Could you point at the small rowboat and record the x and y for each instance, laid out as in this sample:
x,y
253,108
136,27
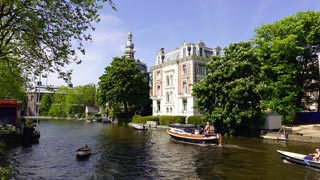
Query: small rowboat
x,y
140,127
194,138
83,153
301,159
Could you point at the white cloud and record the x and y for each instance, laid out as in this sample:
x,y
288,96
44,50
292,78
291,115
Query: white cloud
x,y
107,42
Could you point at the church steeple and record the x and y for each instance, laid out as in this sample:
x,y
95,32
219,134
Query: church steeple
x,y
129,52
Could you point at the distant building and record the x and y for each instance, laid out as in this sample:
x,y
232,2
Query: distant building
x,y
174,73
311,98
129,53
92,110
34,98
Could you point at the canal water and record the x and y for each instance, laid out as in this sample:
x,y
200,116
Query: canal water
x,y
120,152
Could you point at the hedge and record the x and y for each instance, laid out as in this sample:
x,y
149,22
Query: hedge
x,y
166,120
196,120
143,119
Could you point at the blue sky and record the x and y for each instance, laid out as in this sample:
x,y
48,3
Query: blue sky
x,y
168,23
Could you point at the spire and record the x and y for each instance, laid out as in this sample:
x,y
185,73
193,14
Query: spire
x,y
129,52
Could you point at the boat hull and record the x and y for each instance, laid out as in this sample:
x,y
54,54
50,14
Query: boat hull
x,y
140,127
181,136
298,159
83,154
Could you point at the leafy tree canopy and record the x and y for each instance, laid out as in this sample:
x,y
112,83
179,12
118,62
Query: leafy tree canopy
x,y
11,83
230,93
70,101
122,85
45,104
38,36
287,50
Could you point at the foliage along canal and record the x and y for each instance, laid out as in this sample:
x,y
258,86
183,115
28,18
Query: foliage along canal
x,y
121,152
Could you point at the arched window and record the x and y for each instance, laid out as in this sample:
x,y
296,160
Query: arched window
x,y
168,97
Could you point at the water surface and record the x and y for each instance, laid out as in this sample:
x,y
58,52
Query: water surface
x,y
121,152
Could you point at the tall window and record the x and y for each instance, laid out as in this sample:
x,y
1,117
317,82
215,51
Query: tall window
x,y
158,90
158,75
168,81
184,87
158,105
171,80
184,105
168,97
184,69
201,69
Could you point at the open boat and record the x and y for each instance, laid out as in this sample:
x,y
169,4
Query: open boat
x,y
187,135
301,159
139,126
81,153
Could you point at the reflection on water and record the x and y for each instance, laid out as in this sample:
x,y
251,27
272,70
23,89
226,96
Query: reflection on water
x,y
120,152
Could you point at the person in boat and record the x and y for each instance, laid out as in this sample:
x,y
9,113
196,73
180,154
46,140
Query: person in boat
x,y
84,148
207,129
315,155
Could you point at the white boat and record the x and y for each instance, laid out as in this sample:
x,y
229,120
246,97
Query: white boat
x,y
297,158
139,126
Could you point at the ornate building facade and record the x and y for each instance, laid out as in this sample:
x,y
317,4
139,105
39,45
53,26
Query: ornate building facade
x,y
173,75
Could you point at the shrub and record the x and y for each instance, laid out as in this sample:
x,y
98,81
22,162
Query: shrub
x,y
135,118
166,120
5,173
195,120
143,119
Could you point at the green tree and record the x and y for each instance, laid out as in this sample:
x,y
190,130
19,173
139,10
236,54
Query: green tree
x,y
287,55
70,101
123,86
45,104
11,82
39,36
59,106
230,93
79,97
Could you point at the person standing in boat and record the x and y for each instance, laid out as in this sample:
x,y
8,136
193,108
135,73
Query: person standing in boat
x,y
207,129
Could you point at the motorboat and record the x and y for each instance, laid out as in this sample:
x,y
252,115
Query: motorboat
x,y
187,134
297,158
